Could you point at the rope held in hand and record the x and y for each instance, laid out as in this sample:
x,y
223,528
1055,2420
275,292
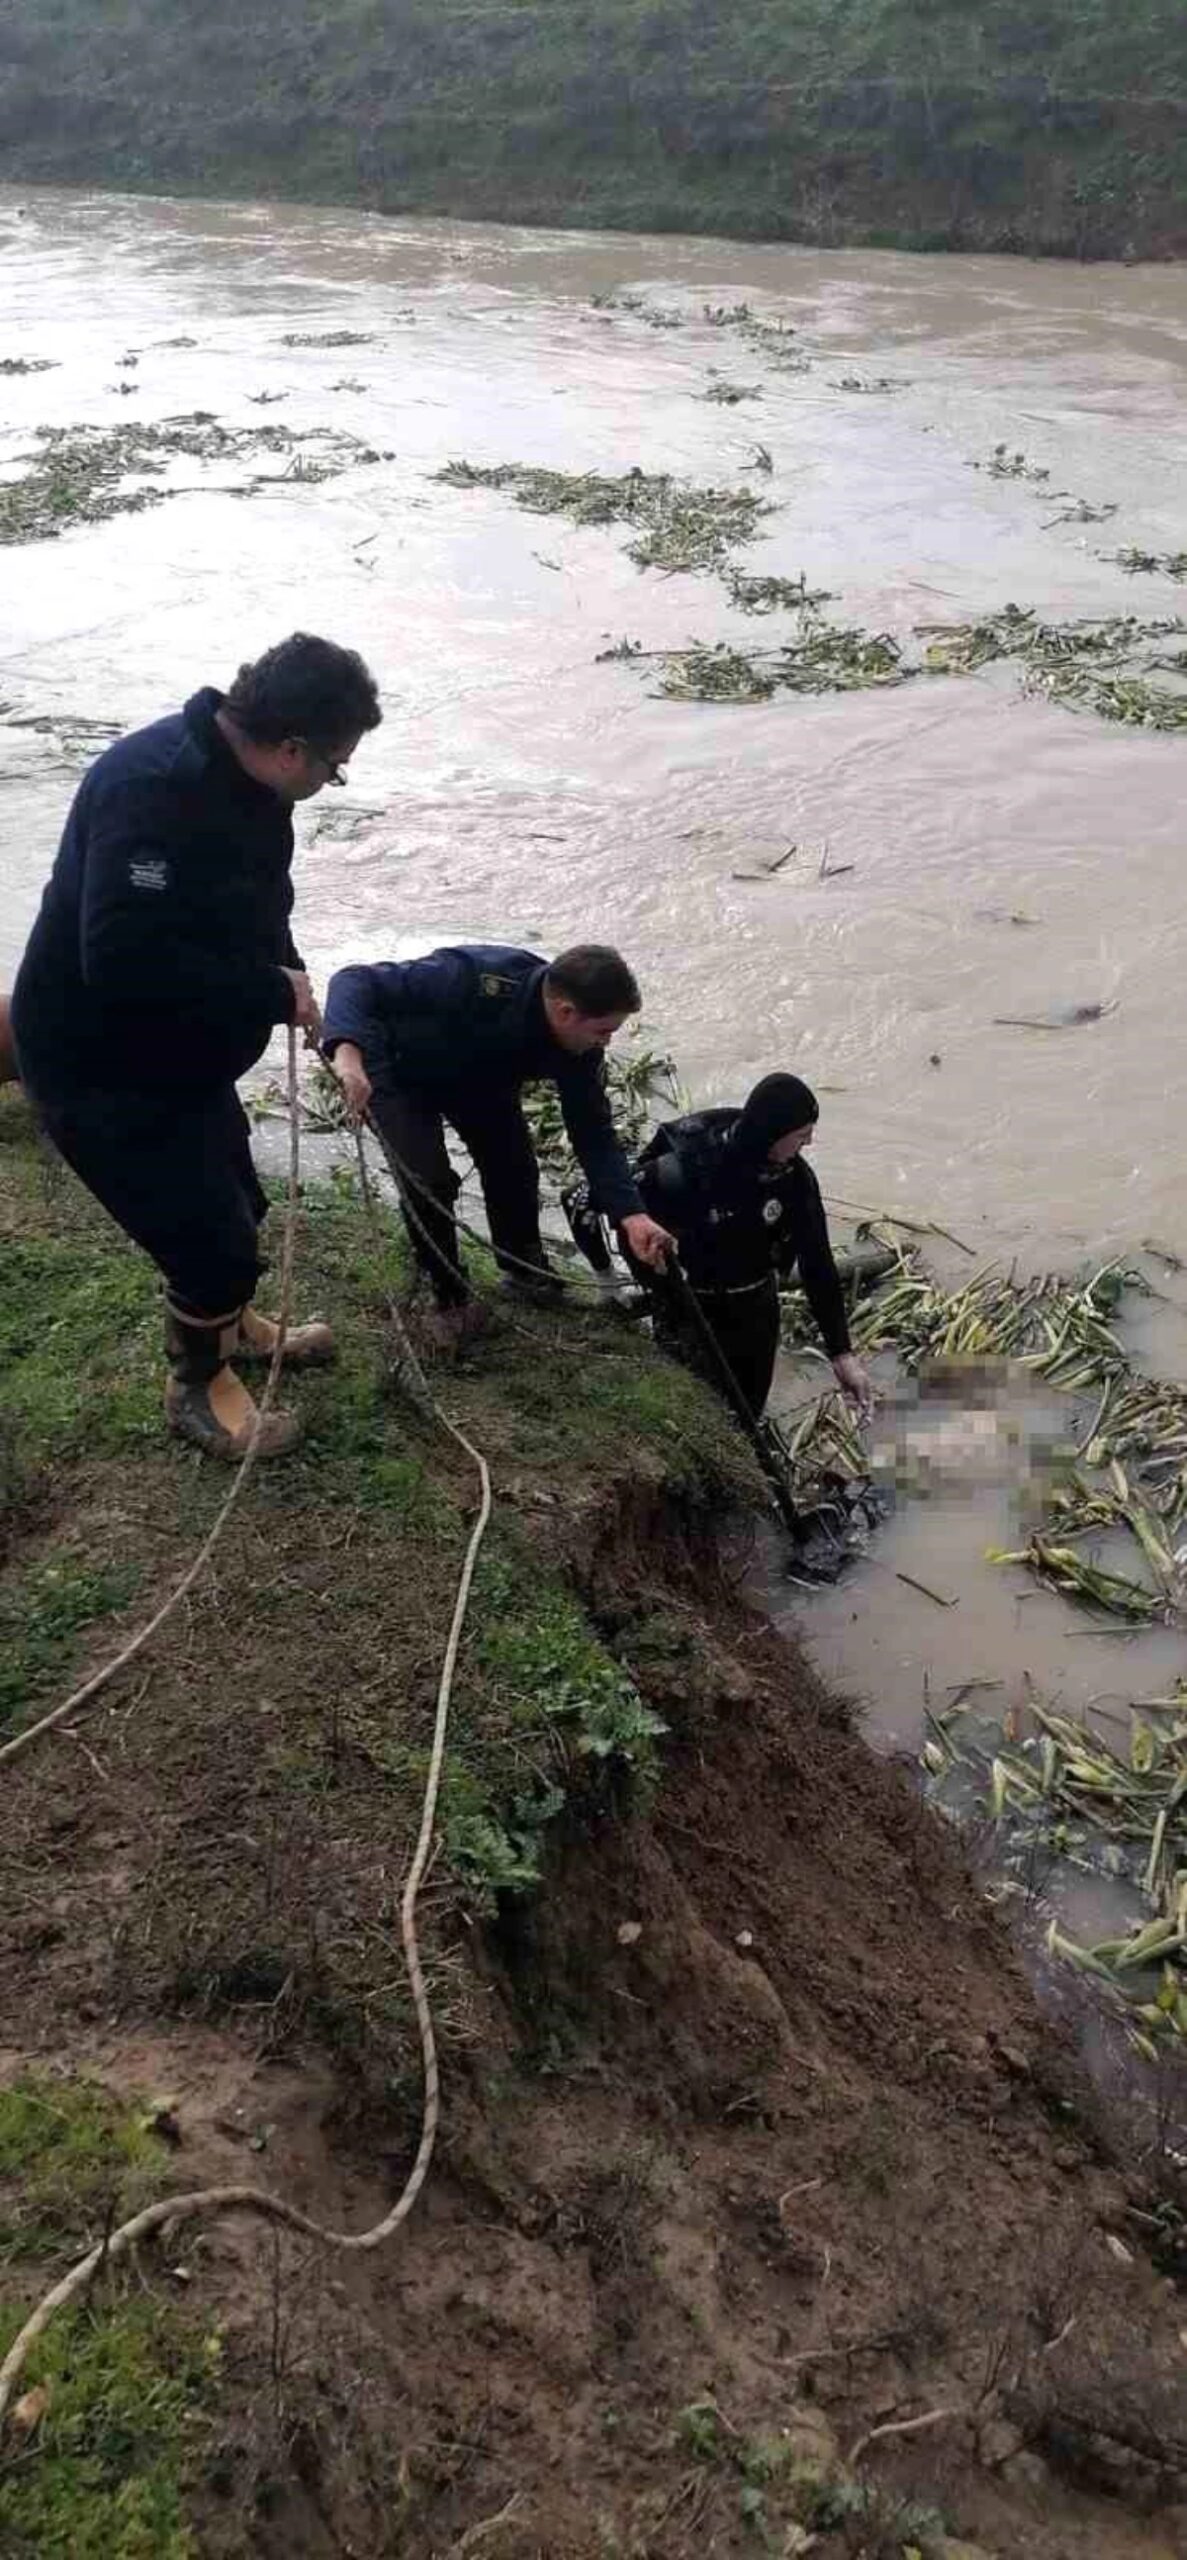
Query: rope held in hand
x,y
207,2201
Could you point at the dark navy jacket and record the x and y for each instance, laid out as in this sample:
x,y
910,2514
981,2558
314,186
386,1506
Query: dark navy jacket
x,y
472,1017
735,1223
156,961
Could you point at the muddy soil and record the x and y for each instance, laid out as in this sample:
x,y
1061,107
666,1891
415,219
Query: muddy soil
x,y
753,2103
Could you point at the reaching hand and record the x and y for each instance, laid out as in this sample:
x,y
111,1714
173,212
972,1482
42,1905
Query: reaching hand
x,y
850,1375
354,1080
650,1243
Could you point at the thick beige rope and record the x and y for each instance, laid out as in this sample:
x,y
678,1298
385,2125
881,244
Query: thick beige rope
x,y
208,2201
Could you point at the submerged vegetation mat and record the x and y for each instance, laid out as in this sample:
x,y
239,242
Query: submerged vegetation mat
x,y
774,595
774,339
729,395
823,658
1126,1472
679,526
1103,667
1061,1793
654,315
1162,564
85,475
329,338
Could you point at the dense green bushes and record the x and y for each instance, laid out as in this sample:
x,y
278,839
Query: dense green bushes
x,y
927,122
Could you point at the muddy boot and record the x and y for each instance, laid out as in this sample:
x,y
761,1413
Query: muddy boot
x,y
452,1328
204,1400
305,1345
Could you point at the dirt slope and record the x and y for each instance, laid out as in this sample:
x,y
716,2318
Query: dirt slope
x,y
754,2142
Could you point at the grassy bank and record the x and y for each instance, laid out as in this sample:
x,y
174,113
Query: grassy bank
x,y
336,1592
752,2142
1061,131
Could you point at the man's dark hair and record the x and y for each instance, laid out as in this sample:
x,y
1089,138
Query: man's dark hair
x,y
594,978
304,688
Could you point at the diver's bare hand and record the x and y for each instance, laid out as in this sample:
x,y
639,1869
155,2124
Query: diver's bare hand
x,y
850,1375
648,1241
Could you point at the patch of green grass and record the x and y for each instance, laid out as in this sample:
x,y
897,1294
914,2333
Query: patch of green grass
x,y
357,1444
364,1442
546,1718
43,1610
104,2475
79,1345
674,1413
547,1669
70,2155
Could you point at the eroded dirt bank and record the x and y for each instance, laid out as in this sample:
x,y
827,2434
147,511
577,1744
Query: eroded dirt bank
x,y
754,2141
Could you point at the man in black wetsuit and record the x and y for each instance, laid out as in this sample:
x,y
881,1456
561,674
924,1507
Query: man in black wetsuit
x,y
744,1206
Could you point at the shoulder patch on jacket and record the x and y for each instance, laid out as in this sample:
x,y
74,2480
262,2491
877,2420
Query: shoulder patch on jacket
x,y
149,874
491,984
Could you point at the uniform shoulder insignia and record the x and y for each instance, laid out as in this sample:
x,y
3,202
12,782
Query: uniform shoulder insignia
x,y
148,873
492,985
772,1212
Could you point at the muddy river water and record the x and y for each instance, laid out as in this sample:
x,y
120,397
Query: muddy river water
x,y
987,854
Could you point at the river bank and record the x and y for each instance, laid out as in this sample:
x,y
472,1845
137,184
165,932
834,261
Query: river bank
x,y
1065,136
754,2143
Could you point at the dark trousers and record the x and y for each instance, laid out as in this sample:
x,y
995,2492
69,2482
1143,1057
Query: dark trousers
x,y
745,1328
177,1176
492,1128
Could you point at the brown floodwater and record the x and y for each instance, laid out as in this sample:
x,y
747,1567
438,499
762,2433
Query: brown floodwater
x,y
986,854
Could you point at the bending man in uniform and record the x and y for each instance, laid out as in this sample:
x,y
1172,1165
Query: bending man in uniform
x,y
159,965
744,1206
451,1040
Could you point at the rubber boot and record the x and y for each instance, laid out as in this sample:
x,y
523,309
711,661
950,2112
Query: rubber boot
x,y
305,1345
452,1328
204,1400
